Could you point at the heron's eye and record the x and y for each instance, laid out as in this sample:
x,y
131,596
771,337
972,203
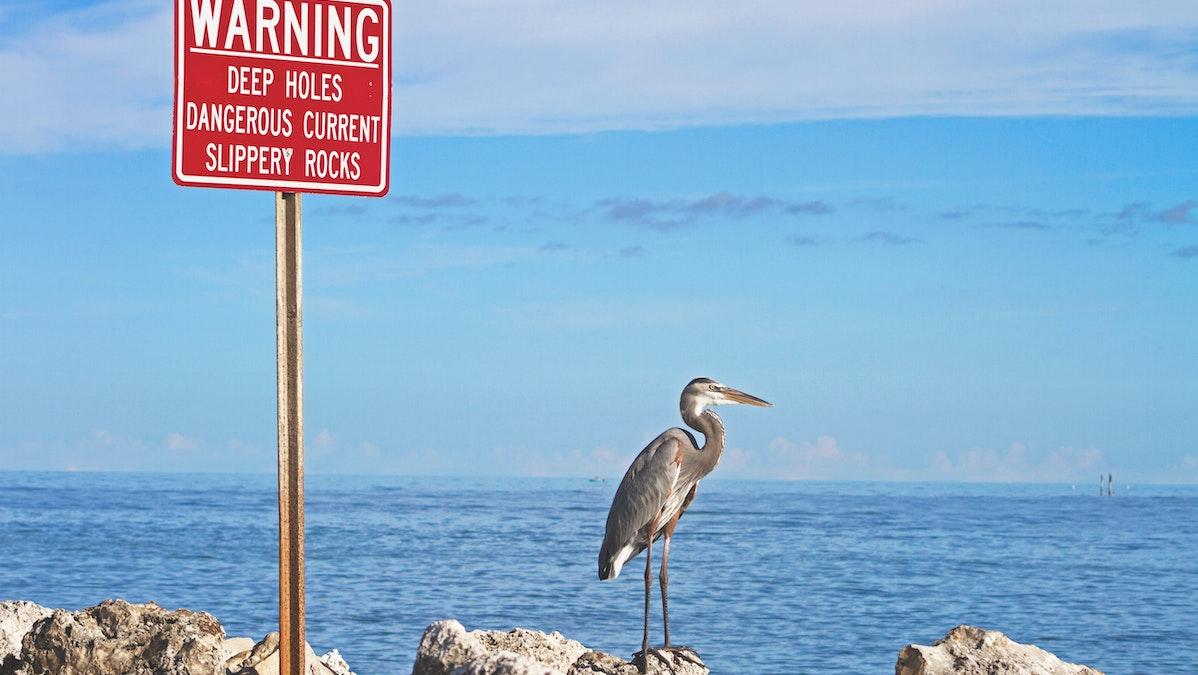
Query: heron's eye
x,y
711,387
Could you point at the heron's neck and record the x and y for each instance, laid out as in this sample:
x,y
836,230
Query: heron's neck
x,y
711,426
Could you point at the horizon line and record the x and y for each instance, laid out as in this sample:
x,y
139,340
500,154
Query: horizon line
x,y
324,474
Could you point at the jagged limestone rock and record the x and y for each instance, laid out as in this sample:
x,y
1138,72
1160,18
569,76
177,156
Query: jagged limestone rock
x,y
119,638
969,650
553,649
505,663
447,648
16,620
334,662
446,645
263,659
599,663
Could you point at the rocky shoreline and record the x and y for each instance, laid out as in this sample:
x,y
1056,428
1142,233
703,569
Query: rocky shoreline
x,y
119,638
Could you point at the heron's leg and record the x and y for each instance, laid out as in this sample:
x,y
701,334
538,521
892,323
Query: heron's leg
x,y
683,652
664,579
648,589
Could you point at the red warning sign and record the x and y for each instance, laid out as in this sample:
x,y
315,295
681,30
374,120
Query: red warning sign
x,y
286,95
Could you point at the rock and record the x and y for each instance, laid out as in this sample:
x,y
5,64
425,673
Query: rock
x,y
676,666
336,663
969,650
593,663
263,659
554,649
505,663
233,650
16,619
447,648
118,638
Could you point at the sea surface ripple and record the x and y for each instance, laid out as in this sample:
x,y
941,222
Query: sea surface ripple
x,y
765,577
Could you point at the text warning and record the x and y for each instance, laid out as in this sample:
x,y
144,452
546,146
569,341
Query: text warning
x,y
286,95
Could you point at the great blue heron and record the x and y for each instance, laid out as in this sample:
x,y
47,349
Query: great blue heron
x,y
658,487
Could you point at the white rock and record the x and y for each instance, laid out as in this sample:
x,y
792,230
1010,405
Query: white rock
x,y
334,662
16,619
449,649
969,650
445,646
236,648
505,663
553,649
263,659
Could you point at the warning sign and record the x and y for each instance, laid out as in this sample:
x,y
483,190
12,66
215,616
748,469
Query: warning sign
x,y
286,95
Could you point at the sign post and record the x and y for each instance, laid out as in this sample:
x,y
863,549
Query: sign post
x,y
289,342
290,96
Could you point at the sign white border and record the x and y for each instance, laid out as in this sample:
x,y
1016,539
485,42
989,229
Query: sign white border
x,y
285,185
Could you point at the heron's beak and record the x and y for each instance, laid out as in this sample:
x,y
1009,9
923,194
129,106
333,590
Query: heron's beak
x,y
741,397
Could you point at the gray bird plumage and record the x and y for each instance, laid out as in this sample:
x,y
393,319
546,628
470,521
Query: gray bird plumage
x,y
650,482
661,484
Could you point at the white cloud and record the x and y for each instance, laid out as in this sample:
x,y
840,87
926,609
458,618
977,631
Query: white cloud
x,y
102,76
1018,464
323,444
822,459
97,77
178,442
602,462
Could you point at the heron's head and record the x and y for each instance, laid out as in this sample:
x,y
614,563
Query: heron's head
x,y
704,392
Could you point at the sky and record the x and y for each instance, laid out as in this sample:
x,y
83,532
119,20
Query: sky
x,y
948,240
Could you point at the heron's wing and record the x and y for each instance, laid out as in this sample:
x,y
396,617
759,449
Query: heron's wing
x,y
649,482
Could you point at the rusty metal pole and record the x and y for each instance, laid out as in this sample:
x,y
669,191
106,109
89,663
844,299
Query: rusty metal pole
x,y
290,364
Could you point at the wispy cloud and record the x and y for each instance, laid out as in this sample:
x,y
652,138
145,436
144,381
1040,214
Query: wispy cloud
x,y
1029,225
1018,464
177,442
652,66
354,210
450,200
955,214
86,78
678,212
1179,214
816,207
887,238
825,459
821,459
602,461
447,221
531,66
552,247
1182,213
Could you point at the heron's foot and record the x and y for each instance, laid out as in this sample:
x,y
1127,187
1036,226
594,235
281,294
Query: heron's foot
x,y
685,653
641,660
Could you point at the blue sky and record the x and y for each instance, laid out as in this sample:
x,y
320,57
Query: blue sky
x,y
947,262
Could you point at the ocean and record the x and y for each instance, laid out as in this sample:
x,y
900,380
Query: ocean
x,y
765,577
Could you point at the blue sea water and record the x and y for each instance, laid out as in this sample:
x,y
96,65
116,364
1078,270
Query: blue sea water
x,y
766,577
